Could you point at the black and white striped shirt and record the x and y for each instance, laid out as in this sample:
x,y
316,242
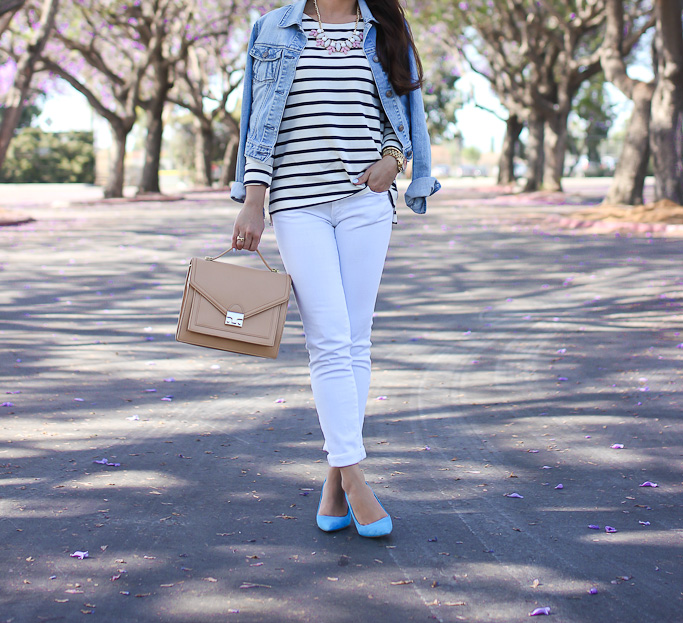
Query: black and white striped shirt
x,y
333,128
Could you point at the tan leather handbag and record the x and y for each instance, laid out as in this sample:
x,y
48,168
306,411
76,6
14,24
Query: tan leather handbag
x,y
234,308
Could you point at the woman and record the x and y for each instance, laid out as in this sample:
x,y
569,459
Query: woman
x,y
331,111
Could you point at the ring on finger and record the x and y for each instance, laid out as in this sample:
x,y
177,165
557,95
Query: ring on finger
x,y
240,239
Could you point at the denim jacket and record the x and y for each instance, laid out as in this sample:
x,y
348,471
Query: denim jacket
x,y
275,46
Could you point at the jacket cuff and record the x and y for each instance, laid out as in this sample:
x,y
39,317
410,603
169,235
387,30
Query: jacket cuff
x,y
418,191
238,192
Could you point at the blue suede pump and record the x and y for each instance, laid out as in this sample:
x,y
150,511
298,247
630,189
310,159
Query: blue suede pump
x,y
381,527
329,523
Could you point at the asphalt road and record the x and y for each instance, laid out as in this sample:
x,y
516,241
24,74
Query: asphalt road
x,y
508,359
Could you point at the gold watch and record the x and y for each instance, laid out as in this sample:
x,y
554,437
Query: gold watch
x,y
397,154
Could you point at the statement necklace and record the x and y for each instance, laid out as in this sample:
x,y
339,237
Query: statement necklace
x,y
343,45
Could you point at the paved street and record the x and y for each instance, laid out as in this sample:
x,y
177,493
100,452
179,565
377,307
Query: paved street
x,y
508,359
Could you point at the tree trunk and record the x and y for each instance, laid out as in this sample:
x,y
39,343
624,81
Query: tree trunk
x,y
230,157
534,174
555,147
114,187
629,177
666,126
16,96
506,163
202,152
155,130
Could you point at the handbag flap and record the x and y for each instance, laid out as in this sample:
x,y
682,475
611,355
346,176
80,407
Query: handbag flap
x,y
218,288
229,287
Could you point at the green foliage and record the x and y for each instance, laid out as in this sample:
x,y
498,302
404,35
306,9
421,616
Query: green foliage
x,y
593,106
35,156
471,155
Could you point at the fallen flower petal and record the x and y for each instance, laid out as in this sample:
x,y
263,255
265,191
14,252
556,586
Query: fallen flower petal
x,y
252,585
513,495
134,418
560,486
170,379
593,591
167,398
610,529
539,612
7,404
80,555
594,526
280,400
647,483
381,398
617,446
644,523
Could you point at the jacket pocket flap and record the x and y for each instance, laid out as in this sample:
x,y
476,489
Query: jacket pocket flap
x,y
265,53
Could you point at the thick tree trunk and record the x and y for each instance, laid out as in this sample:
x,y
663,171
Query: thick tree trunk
x,y
202,152
155,130
506,163
666,126
117,168
534,148
555,147
629,177
16,96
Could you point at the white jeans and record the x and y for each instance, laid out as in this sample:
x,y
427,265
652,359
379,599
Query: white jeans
x,y
335,254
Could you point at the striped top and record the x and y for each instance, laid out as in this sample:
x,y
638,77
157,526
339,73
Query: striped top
x,y
333,128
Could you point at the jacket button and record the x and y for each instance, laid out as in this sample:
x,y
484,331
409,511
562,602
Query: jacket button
x,y
375,58
400,128
389,94
409,154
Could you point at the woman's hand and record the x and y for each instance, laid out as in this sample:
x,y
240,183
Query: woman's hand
x,y
250,222
379,176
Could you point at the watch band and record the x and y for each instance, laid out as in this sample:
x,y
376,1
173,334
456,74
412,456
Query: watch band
x,y
397,154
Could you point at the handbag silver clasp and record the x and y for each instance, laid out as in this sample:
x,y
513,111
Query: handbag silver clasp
x,y
234,319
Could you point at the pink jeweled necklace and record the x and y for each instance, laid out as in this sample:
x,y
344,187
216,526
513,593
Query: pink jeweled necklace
x,y
336,47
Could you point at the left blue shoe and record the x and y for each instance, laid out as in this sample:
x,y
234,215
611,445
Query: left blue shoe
x,y
381,527
329,523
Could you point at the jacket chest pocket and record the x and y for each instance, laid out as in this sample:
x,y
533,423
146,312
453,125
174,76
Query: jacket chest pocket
x,y
266,62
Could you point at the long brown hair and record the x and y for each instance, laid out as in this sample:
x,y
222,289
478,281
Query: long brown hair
x,y
394,40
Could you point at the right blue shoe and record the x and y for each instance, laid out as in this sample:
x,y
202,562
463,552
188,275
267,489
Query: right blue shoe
x,y
329,523
381,527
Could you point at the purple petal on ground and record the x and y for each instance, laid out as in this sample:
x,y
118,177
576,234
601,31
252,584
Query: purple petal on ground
x,y
381,398
680,345
167,398
133,418
593,591
79,399
432,540
560,486
610,529
170,379
280,400
7,404
644,523
151,389
426,448
594,526
16,391
513,495
647,483
533,451
80,555
562,378
546,467
539,612
617,446
587,437
561,351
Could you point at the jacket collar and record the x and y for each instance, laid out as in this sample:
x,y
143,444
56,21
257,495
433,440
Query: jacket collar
x,y
295,12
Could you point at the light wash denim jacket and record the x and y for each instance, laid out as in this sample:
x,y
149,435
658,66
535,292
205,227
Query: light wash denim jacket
x,y
275,46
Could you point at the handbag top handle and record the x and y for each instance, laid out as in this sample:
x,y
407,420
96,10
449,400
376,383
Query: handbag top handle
x,y
211,259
